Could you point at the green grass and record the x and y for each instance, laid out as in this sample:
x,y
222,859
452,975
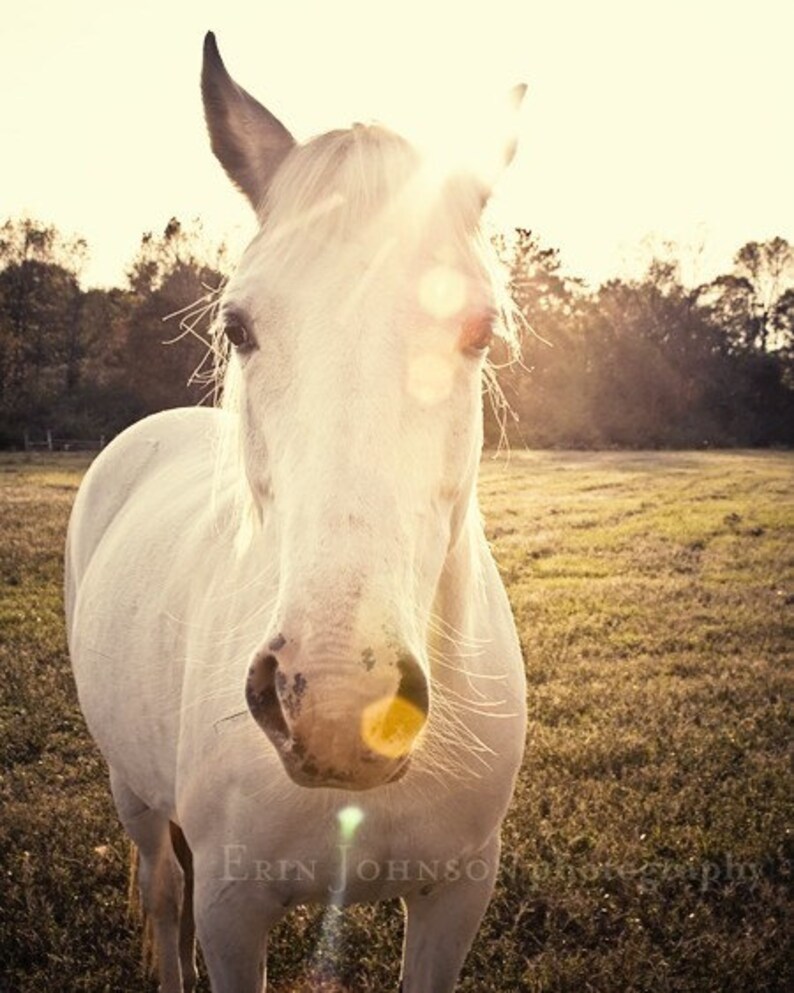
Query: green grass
x,y
649,846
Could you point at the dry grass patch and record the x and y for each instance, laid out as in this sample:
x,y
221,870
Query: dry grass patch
x,y
649,846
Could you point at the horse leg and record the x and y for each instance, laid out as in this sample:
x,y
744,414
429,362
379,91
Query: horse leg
x,y
441,925
233,919
160,878
187,923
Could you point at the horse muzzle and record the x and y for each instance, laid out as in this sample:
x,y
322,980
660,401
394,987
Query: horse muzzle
x,y
346,727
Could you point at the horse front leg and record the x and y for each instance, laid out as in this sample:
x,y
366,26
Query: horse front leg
x,y
187,923
233,920
441,924
160,880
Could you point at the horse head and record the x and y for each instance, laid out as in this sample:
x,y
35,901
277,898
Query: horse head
x,y
358,321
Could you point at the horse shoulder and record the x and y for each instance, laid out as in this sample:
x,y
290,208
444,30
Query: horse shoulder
x,y
123,538
119,473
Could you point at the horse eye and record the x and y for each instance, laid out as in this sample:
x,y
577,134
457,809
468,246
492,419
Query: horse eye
x,y
478,333
237,333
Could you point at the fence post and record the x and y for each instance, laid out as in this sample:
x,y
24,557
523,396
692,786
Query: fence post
x,y
49,439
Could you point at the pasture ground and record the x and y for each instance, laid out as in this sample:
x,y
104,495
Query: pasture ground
x,y
649,845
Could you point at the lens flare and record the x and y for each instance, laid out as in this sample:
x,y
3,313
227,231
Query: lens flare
x,y
442,292
349,819
430,378
389,726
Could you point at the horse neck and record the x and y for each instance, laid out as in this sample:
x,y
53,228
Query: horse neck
x,y
461,586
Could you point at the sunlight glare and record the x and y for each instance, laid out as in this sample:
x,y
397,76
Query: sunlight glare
x,y
476,139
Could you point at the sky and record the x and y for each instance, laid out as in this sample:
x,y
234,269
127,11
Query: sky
x,y
645,121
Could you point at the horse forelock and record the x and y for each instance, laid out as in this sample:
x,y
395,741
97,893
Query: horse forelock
x,y
334,188
365,188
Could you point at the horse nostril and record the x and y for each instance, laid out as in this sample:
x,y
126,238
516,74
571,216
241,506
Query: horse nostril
x,y
262,696
413,684
391,724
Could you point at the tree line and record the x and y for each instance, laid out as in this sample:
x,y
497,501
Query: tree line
x,y
642,362
651,362
85,363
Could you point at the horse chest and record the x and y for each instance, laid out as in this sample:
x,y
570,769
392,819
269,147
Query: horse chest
x,y
330,847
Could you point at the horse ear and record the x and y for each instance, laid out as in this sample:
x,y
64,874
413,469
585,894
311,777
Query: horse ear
x,y
247,139
515,99
472,183
500,140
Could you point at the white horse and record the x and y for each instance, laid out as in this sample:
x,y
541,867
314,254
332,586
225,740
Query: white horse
x,y
300,664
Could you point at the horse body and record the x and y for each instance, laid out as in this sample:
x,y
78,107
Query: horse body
x,y
336,580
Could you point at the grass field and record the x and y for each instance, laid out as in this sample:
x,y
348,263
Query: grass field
x,y
649,845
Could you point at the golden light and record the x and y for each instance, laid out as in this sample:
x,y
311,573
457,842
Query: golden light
x,y
442,292
389,726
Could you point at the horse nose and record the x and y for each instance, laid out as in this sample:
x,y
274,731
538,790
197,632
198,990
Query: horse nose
x,y
350,731
267,688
